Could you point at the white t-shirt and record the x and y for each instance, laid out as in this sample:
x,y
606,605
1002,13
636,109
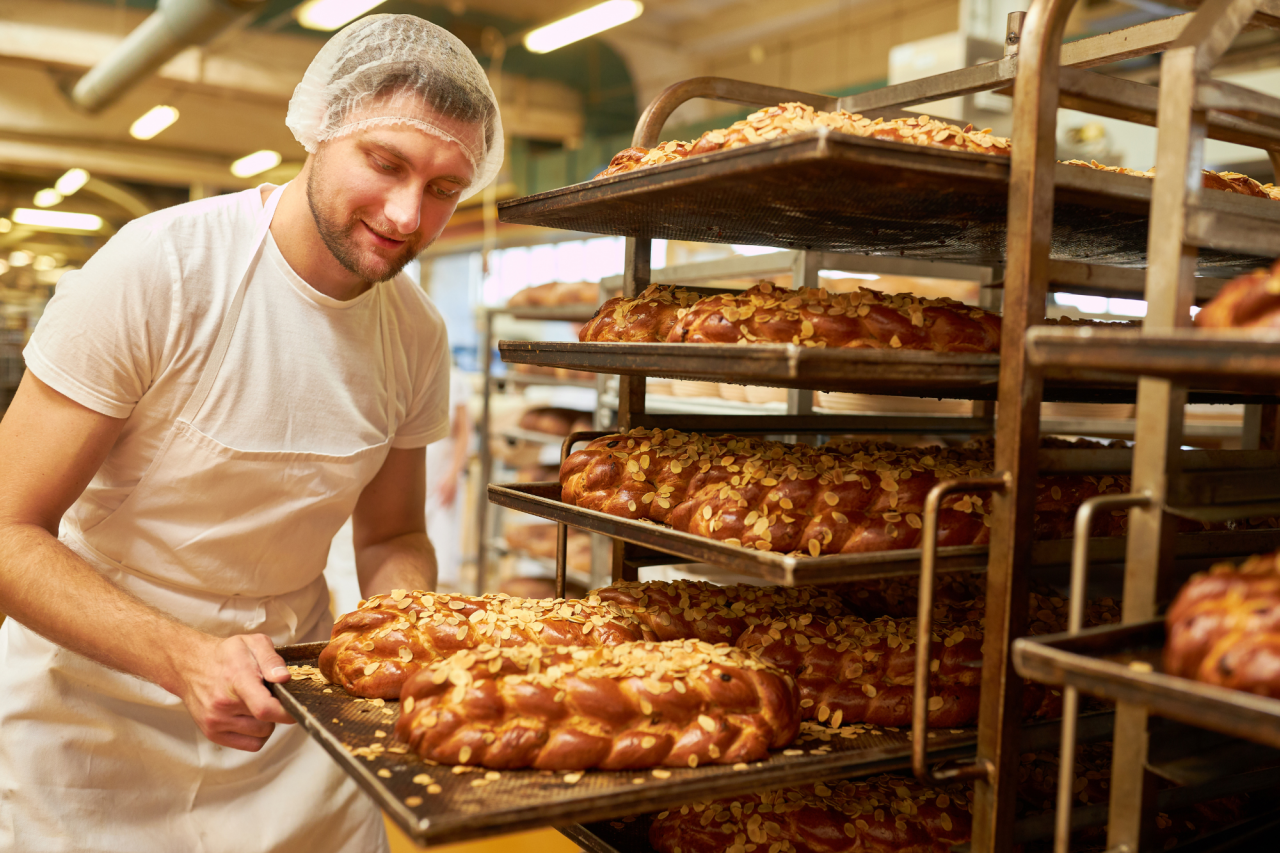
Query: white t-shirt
x,y
129,334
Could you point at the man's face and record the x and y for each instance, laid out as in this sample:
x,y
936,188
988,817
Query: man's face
x,y
382,194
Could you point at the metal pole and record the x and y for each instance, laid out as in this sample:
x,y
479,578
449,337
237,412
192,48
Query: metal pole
x,y
486,455
1035,108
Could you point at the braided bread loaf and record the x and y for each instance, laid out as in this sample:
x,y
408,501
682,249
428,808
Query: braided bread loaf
x,y
1224,627
786,119
679,610
883,814
1249,301
642,319
816,317
1232,182
376,647
634,705
785,498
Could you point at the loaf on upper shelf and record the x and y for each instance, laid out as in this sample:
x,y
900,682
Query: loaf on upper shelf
x,y
794,117
1224,627
771,496
1249,301
629,706
569,293
810,317
554,421
1231,182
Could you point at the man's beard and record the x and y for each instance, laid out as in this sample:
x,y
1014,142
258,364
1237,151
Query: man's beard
x,y
339,237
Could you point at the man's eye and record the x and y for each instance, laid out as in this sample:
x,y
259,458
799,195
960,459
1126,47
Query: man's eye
x,y
386,167
446,193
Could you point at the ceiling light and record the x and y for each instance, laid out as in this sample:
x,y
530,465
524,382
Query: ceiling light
x,y
4,266
5,225
47,197
152,122
255,163
19,258
71,181
44,262
57,219
586,23
331,14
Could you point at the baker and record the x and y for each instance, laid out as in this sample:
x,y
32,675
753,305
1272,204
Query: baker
x,y
205,403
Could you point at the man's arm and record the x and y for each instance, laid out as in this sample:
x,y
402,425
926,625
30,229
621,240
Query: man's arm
x,y
50,448
390,527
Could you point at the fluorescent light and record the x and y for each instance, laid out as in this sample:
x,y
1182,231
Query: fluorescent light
x,y
71,181
57,219
19,258
47,197
255,163
331,14
578,26
152,122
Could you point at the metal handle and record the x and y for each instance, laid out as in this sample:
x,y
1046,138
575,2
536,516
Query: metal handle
x,y
1075,621
649,128
982,768
562,530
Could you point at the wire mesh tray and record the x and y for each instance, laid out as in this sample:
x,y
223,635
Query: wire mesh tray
x,y
1122,663
830,191
901,373
458,806
1245,360
543,500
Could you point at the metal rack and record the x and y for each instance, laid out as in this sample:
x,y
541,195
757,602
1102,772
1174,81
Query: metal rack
x,y
482,512
1122,662
794,192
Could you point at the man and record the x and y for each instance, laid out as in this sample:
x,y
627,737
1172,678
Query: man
x,y
207,400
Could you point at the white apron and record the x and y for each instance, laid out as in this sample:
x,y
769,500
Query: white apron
x,y
229,542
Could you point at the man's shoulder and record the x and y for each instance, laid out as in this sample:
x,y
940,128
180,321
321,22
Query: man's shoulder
x,y
415,307
222,214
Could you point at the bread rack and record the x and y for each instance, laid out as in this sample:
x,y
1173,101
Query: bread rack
x,y
781,193
482,510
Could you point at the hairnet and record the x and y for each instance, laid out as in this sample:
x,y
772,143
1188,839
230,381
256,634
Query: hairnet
x,y
400,69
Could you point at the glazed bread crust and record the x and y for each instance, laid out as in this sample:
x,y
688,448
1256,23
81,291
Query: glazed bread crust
x,y
374,649
634,705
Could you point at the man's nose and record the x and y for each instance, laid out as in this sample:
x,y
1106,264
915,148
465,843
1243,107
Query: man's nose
x,y
404,209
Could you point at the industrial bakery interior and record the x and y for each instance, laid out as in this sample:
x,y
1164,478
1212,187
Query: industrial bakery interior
x,y
678,426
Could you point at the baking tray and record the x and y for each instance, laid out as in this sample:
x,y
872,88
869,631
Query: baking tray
x,y
1122,663
543,500
830,191
517,800
1244,360
902,373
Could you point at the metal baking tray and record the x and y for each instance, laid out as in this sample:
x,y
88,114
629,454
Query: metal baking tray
x,y
543,500
830,191
1244,360
1122,663
902,373
527,799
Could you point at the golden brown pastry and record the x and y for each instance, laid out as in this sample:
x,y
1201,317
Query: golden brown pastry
x,y
1249,301
1232,182
883,814
375,648
636,158
634,705
772,496
1224,627
647,317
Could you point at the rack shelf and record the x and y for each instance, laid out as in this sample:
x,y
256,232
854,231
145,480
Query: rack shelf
x,y
830,191
970,376
543,499
1122,663
1246,361
522,799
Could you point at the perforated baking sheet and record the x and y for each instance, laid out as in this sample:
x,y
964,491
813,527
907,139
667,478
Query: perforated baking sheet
x,y
433,804
829,191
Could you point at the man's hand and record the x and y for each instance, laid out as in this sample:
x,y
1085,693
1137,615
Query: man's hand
x,y
224,693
